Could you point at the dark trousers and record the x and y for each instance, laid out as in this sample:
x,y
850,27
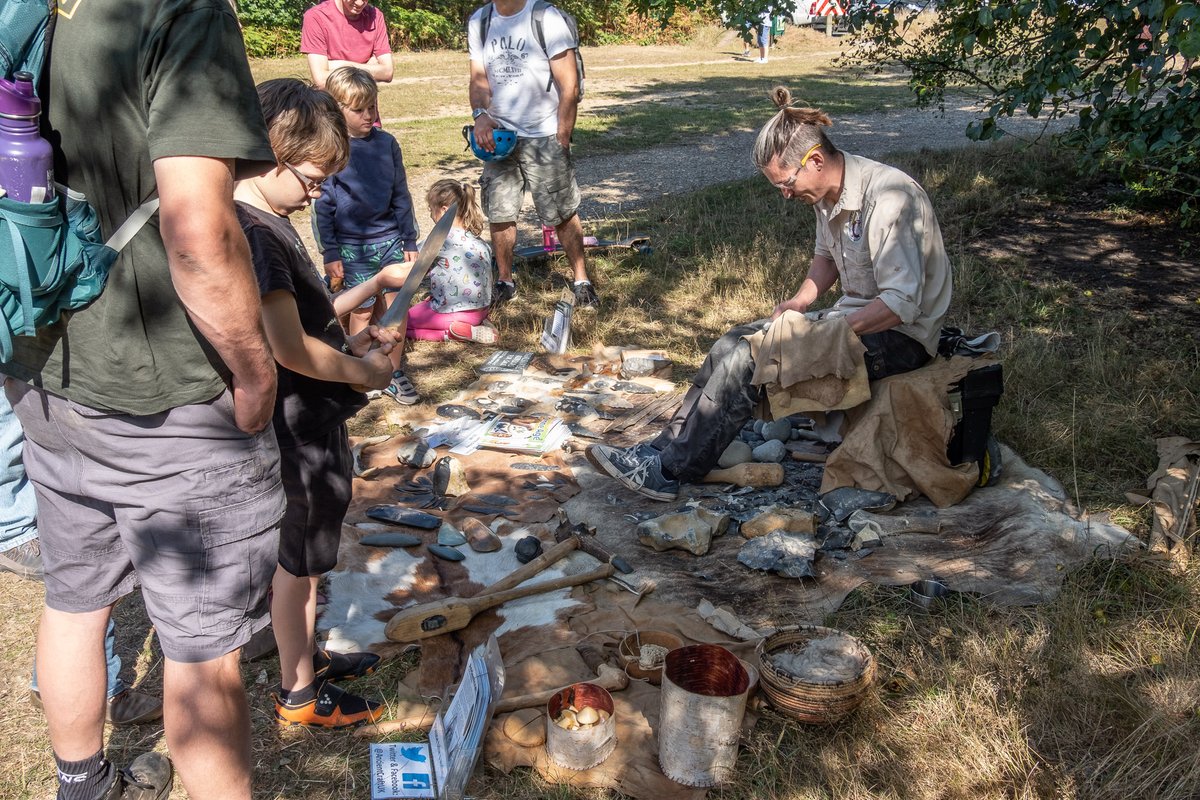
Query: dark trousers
x,y
721,399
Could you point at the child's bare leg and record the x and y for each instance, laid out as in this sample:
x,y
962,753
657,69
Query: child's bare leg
x,y
294,618
360,318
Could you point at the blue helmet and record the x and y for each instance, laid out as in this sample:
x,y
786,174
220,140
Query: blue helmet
x,y
505,141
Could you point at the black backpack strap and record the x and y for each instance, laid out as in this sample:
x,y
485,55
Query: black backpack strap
x,y
485,22
539,33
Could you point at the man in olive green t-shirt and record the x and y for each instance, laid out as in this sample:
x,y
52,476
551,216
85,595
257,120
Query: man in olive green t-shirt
x,y
147,414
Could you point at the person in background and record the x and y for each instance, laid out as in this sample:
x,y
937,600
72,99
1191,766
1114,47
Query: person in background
x,y
765,24
364,214
518,85
346,33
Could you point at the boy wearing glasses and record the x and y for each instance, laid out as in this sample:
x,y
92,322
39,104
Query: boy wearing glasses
x,y
318,367
364,216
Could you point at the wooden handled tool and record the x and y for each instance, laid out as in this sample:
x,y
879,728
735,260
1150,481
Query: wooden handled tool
x,y
749,474
455,613
609,677
527,571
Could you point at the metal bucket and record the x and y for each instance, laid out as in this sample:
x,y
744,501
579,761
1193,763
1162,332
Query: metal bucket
x,y
584,748
704,690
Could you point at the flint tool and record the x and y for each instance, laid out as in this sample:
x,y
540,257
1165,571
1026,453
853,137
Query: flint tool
x,y
397,314
588,542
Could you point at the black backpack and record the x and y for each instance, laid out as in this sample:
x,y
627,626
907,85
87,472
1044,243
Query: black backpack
x,y
539,14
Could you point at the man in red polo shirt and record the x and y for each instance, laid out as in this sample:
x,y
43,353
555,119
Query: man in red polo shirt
x,y
346,33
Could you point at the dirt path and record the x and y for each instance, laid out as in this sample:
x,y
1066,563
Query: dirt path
x,y
615,184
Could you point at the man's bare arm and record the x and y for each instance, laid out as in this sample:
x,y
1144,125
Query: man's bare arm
x,y
380,68
874,317
562,70
211,270
319,69
480,93
821,275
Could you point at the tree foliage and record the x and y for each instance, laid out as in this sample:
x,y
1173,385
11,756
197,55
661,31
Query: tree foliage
x,y
1125,71
274,25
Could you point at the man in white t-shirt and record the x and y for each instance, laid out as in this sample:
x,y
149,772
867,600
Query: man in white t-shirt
x,y
519,86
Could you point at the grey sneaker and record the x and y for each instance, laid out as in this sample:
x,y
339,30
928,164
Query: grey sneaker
x,y
128,707
635,470
147,778
132,707
503,291
585,295
402,390
24,560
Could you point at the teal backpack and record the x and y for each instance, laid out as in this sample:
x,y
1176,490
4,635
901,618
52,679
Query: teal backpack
x,y
53,256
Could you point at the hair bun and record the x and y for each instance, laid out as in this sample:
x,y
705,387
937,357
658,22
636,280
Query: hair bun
x,y
781,97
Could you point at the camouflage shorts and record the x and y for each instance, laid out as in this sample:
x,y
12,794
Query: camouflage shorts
x,y
544,168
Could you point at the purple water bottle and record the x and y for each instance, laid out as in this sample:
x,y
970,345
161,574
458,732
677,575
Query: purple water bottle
x,y
26,159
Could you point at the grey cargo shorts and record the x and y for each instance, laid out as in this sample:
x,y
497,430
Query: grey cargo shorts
x,y
182,502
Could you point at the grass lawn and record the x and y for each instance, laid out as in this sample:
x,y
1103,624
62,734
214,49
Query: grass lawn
x,y
1094,695
636,97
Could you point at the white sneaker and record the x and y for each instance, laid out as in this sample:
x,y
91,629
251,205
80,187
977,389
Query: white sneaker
x,y
760,61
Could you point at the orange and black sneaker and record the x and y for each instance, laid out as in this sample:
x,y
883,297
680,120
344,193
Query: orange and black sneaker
x,y
329,666
332,708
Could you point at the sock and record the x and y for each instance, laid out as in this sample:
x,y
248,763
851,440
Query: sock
x,y
83,780
298,697
581,283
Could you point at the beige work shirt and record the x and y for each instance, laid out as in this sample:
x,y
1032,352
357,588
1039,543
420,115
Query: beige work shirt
x,y
885,240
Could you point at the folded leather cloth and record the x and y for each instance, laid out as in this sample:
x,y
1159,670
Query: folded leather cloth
x,y
808,365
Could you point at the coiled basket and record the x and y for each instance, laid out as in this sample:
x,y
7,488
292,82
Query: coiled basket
x,y
813,702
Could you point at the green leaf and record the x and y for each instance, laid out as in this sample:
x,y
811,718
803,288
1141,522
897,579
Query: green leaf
x,y
1133,81
1189,43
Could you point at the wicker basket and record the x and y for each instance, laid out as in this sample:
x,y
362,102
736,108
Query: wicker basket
x,y
817,703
